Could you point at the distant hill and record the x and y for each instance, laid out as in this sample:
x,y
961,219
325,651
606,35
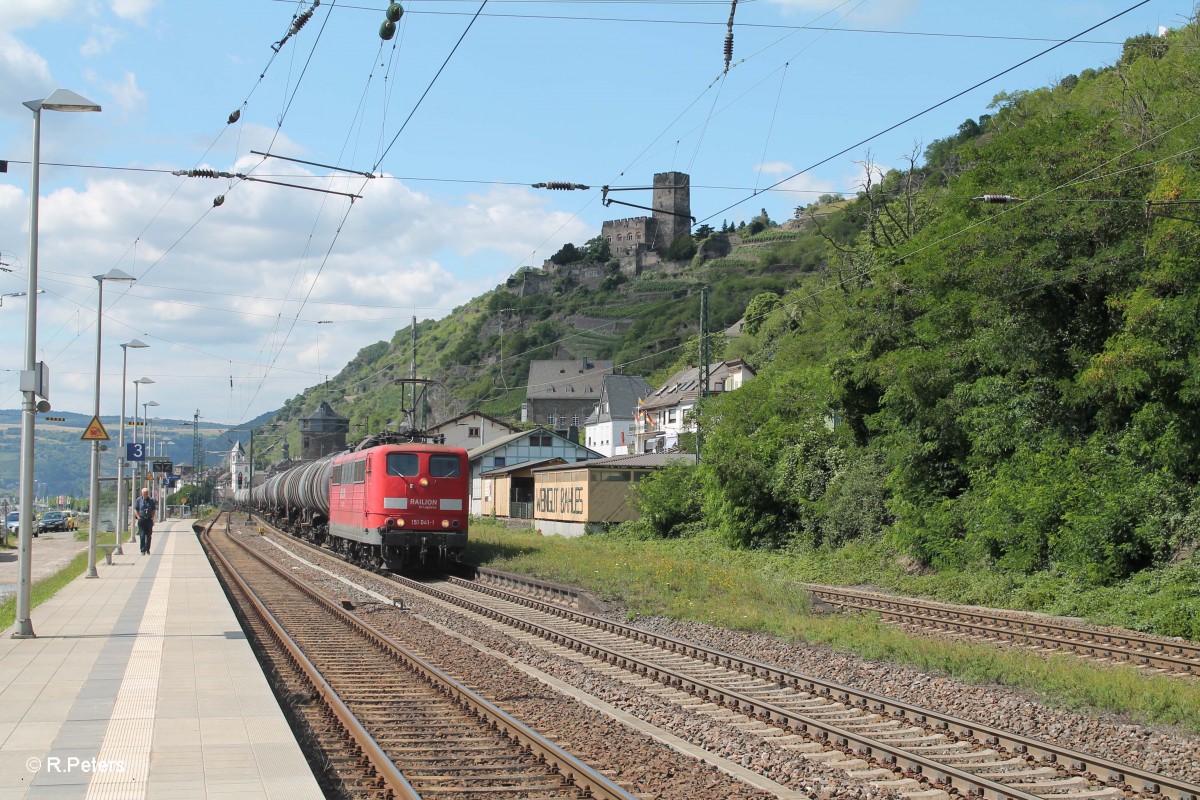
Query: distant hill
x,y
62,461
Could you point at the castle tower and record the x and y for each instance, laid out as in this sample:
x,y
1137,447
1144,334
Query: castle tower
x,y
322,432
672,193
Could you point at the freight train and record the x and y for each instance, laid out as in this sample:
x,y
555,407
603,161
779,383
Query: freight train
x,y
384,504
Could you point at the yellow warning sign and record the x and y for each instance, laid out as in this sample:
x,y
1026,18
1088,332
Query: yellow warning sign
x,y
95,432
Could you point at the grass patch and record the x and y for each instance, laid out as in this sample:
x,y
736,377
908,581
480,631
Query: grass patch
x,y
42,590
702,581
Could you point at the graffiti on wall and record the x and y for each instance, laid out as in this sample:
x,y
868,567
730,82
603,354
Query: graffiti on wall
x,y
560,500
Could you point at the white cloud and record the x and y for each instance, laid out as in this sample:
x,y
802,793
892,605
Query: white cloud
x,y
135,10
126,93
16,14
221,285
774,168
26,76
101,41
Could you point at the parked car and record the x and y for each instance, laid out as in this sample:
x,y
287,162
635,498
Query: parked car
x,y
52,521
13,523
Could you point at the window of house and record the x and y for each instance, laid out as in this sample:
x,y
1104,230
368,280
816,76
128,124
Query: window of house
x,y
574,419
444,467
473,433
671,415
498,462
404,465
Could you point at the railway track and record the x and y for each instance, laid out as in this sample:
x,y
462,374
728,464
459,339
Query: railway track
x,y
419,730
945,751
941,752
1125,647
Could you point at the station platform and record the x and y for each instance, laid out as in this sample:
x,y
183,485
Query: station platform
x,y
141,684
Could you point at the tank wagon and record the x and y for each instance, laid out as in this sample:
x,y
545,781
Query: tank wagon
x,y
392,505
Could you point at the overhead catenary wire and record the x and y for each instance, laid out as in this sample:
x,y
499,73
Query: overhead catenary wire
x,y
937,105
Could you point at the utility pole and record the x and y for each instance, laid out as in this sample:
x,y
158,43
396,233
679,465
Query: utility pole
x,y
705,371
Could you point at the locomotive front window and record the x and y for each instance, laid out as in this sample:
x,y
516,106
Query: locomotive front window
x,y
405,465
443,467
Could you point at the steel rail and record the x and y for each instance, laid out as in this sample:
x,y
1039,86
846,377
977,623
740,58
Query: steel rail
x,y
1112,771
383,766
1180,656
889,754
572,771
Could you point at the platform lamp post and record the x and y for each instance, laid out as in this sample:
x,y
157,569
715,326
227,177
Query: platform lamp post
x,y
147,437
162,506
122,492
94,502
32,378
137,385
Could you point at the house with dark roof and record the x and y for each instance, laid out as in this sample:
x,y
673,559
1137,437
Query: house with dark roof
x,y
610,428
561,394
522,447
665,413
471,430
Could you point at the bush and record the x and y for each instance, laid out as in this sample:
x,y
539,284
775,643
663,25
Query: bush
x,y
669,499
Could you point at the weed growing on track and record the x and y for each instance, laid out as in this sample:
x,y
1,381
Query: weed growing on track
x,y
702,581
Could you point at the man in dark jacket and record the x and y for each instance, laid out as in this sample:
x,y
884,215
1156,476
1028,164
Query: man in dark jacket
x,y
144,509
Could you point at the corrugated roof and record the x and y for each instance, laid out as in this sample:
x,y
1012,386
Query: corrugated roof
x,y
637,460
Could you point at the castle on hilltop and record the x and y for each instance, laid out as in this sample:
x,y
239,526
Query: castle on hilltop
x,y
636,241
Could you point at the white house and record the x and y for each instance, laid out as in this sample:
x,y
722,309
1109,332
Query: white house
x,y
664,414
471,430
610,429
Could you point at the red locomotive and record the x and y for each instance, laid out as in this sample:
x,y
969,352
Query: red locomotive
x,y
390,505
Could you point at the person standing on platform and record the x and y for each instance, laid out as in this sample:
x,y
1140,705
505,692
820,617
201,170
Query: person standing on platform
x,y
144,509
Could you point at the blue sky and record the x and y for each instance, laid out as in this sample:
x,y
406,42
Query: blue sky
x,y
247,304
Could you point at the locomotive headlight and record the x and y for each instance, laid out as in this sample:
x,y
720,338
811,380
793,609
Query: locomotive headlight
x,y
400,522
424,481
454,524
445,523
390,523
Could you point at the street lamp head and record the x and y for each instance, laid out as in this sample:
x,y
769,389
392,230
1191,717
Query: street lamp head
x,y
62,100
150,403
145,380
115,275
134,343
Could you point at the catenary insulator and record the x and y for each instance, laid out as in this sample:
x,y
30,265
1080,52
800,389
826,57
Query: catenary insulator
x,y
394,12
300,22
728,48
997,198
387,30
561,185
235,116
218,200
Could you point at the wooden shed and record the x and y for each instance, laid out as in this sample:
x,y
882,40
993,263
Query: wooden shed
x,y
569,497
508,491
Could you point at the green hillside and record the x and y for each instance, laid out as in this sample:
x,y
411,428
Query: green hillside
x,y
1002,396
